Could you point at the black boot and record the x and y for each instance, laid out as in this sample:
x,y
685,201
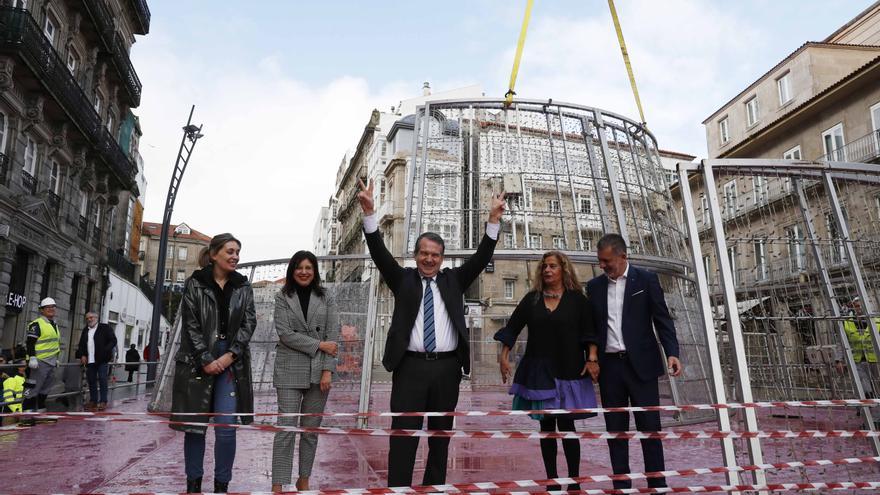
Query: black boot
x,y
221,487
194,486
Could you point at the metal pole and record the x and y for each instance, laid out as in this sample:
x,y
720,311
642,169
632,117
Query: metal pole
x,y
192,134
705,303
410,182
597,175
574,202
367,360
612,178
556,177
734,329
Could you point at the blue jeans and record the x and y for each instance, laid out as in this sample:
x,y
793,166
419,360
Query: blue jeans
x,y
96,374
224,438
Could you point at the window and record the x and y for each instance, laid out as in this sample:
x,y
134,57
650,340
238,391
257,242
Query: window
x,y
752,111
554,205
508,240
762,192
129,219
585,203
182,251
30,156
704,206
838,250
183,229
4,123
50,27
832,142
558,242
97,215
83,204
707,265
509,286
731,256
181,276
170,252
536,241
99,103
783,84
528,196
382,190
793,154
730,198
796,249
72,61
111,121
875,121
760,259
724,130
168,274
55,177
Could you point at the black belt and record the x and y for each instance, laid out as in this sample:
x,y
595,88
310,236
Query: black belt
x,y
619,354
431,356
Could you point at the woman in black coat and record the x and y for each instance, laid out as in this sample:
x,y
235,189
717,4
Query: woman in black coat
x,y
212,369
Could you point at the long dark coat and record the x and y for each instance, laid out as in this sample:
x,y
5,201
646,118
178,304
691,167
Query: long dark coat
x,y
193,388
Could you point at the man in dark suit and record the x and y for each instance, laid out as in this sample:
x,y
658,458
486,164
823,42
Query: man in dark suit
x,y
95,351
427,344
628,304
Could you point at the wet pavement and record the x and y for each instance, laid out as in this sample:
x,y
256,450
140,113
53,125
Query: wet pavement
x,y
80,456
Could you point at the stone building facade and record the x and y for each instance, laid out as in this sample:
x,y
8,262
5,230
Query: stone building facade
x,y
68,155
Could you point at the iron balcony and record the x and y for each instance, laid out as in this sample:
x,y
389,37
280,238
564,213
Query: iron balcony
x,y
113,45
20,35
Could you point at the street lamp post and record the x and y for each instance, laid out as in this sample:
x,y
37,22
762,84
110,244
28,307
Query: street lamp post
x,y
191,134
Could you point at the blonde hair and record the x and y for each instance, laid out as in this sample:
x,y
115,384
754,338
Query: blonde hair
x,y
569,276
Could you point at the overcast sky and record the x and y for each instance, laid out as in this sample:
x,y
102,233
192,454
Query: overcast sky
x,y
284,88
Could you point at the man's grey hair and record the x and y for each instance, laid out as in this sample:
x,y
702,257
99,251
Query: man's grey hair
x,y
614,241
92,313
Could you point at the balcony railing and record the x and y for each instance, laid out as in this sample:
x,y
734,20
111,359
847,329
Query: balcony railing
x,y
54,201
20,34
82,230
96,237
112,41
28,182
864,149
4,168
121,265
143,15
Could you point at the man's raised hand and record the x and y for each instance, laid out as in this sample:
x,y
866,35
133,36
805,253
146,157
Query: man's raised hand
x,y
497,206
365,197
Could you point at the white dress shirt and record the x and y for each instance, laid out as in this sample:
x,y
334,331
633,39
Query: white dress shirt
x,y
616,289
445,336
90,343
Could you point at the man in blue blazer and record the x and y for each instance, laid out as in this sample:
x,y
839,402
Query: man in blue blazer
x,y
628,305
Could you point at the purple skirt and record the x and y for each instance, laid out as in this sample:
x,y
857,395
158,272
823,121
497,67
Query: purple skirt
x,y
568,394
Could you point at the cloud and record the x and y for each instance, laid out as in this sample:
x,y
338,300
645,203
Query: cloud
x,y
271,149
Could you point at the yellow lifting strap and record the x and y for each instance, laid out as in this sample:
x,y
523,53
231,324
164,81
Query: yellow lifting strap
x,y
629,70
508,97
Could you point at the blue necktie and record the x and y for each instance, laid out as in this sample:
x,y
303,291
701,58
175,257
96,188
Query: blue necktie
x,y
428,304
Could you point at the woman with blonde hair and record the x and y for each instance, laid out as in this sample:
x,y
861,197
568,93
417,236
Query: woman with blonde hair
x,y
560,351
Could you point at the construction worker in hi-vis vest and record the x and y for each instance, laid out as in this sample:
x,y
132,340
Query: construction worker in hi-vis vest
x,y
858,333
43,348
13,388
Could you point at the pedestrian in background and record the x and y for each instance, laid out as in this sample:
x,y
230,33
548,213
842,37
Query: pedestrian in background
x,y
95,351
212,366
132,358
307,322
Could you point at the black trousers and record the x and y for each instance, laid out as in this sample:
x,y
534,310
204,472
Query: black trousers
x,y
621,387
421,385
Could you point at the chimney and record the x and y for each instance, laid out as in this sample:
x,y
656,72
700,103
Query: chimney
x,y
426,89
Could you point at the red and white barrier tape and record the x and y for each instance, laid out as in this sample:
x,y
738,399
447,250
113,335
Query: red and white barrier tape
x,y
488,434
597,410
775,487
